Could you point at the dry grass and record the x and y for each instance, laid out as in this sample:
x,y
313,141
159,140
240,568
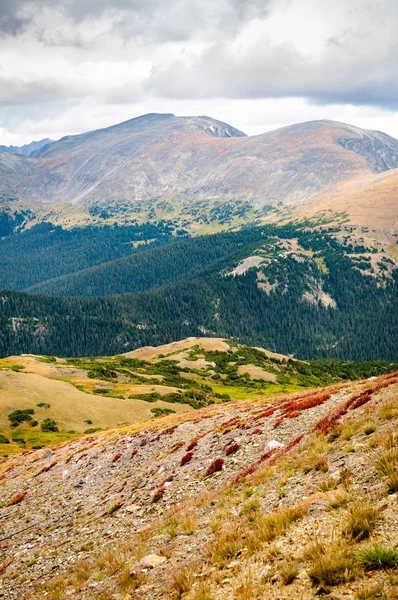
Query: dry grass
x,y
288,572
332,566
182,581
361,522
339,499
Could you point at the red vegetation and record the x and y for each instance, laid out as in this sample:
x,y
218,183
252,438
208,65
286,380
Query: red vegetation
x,y
116,457
186,459
134,452
167,480
278,422
256,431
169,430
176,447
215,466
192,445
231,449
45,469
158,494
17,499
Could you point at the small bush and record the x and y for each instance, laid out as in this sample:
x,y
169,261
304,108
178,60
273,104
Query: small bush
x,y
33,423
116,457
93,430
186,458
215,466
232,449
17,499
19,416
378,557
49,425
3,439
43,405
158,494
192,445
361,522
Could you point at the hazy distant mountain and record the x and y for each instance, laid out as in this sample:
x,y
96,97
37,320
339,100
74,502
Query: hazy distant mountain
x,y
162,166
27,149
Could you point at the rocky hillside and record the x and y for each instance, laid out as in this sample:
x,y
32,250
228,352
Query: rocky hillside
x,y
288,497
162,166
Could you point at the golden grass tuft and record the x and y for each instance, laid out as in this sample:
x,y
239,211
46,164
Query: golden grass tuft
x,y
361,521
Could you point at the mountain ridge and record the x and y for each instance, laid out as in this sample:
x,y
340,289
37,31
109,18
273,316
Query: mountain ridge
x,y
186,168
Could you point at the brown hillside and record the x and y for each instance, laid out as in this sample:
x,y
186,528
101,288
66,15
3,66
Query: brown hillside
x,y
205,506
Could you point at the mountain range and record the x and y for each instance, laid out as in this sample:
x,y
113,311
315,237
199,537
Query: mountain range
x,y
197,170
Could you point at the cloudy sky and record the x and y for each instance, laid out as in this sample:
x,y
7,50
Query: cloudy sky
x,y
67,66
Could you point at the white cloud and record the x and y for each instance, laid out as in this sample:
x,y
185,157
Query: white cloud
x,y
70,66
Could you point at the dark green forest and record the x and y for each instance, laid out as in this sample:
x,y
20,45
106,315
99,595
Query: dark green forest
x,y
47,251
187,290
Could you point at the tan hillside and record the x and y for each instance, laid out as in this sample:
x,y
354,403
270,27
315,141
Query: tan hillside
x,y
286,497
369,203
171,350
163,166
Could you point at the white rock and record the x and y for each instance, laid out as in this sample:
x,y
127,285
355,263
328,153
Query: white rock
x,y
273,444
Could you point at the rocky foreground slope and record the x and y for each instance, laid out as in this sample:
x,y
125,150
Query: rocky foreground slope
x,y
292,497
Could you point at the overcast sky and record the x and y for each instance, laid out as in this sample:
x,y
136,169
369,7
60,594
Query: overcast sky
x,y
68,66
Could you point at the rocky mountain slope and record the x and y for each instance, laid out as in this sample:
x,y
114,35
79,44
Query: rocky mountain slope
x,y
26,149
162,166
288,497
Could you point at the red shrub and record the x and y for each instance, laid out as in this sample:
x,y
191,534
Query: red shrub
x,y
278,422
176,447
294,414
158,494
256,431
167,480
116,457
169,430
231,449
186,459
134,452
45,469
215,466
192,445
17,499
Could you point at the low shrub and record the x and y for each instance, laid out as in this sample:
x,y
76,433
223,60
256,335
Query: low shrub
x,y
232,449
192,445
3,439
116,457
49,425
186,458
157,495
215,466
19,416
17,499
43,405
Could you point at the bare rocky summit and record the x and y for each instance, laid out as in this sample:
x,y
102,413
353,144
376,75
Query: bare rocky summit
x,y
170,164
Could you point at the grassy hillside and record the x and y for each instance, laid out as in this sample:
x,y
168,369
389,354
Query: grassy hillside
x,y
277,497
88,394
